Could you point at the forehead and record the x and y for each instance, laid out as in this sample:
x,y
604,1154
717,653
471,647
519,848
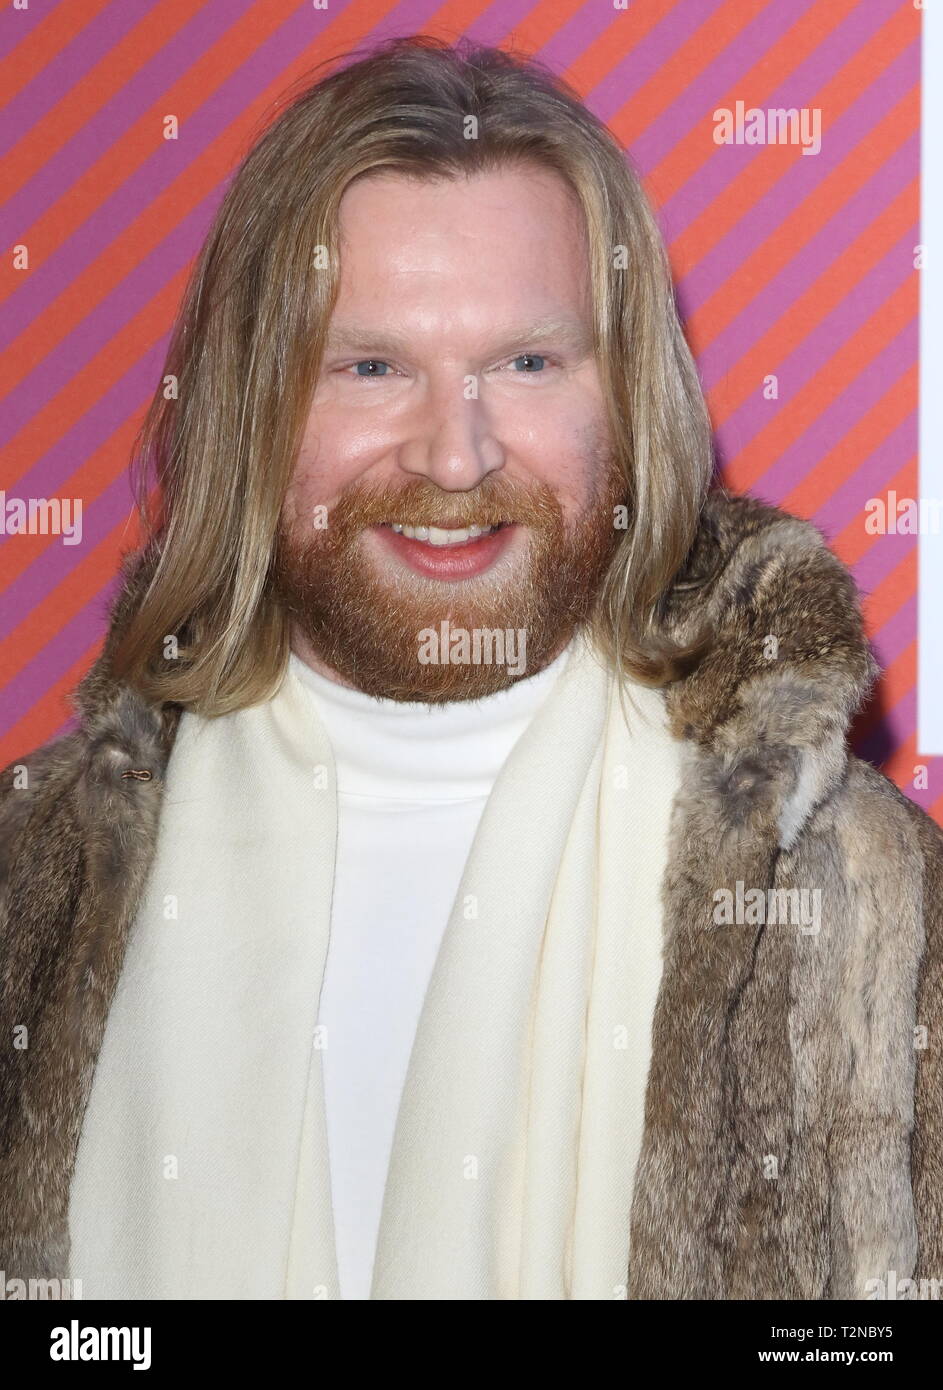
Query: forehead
x,y
512,239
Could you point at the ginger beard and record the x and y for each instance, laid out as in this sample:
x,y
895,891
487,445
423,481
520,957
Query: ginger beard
x,y
365,623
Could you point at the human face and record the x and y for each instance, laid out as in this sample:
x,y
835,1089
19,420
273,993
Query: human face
x,y
458,389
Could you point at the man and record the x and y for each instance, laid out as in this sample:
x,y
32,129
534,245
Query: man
x,y
459,886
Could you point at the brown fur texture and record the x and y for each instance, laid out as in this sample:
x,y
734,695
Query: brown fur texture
x,y
793,1143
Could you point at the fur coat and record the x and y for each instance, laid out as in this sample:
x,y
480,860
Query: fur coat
x,y
793,1142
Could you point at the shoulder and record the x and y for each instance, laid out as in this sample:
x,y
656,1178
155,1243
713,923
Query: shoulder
x,y
36,779
880,817
36,813
785,654
740,536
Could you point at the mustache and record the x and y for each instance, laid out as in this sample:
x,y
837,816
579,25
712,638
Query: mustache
x,y
420,502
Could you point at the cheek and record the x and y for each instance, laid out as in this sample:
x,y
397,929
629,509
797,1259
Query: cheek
x,y
570,471
563,443
329,460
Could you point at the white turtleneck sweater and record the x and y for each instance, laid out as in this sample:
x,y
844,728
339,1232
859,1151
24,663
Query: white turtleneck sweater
x,y
413,780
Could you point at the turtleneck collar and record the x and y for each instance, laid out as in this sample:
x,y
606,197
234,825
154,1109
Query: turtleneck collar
x,y
413,751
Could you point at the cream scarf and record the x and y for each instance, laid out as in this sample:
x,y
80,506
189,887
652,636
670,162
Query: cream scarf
x,y
202,1169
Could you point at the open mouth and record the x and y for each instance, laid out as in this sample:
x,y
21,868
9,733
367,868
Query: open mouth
x,y
443,535
447,552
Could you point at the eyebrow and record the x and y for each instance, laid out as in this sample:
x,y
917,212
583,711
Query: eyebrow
x,y
559,328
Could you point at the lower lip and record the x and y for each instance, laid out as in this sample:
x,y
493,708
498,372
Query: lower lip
x,y
462,561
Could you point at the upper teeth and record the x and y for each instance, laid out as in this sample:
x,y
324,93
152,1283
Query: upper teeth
x,y
434,535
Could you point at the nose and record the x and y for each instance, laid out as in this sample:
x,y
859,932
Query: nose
x,y
450,440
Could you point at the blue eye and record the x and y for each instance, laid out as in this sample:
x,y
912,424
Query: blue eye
x,y
372,367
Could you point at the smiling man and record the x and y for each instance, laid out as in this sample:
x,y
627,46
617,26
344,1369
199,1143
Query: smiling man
x,y
421,908
463,464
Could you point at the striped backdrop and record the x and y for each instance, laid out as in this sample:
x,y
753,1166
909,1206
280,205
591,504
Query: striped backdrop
x,y
790,266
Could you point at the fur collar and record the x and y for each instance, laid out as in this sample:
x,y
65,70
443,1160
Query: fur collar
x,y
786,667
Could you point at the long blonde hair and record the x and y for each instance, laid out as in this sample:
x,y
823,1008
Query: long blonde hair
x,y
246,346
